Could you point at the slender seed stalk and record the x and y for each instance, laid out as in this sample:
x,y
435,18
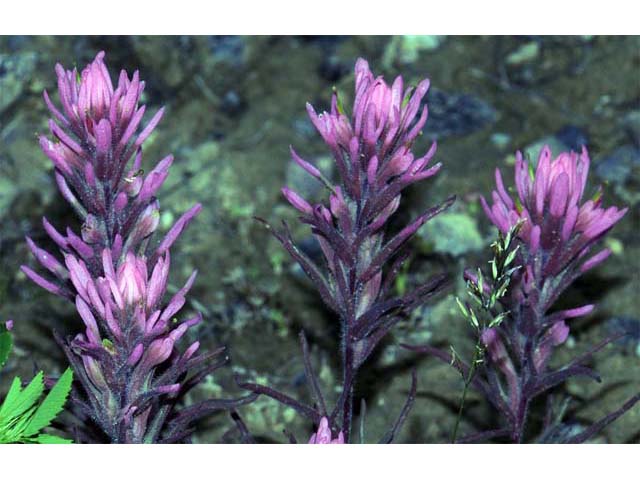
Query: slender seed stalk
x,y
478,355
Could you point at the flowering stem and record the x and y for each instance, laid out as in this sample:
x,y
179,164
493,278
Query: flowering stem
x,y
129,367
347,406
478,354
517,433
372,152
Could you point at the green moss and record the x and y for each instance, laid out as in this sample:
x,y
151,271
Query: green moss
x,y
452,233
526,53
408,48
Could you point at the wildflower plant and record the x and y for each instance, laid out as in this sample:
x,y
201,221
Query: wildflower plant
x,y
372,150
26,412
547,238
127,360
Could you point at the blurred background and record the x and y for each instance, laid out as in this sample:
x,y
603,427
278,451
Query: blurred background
x,y
235,104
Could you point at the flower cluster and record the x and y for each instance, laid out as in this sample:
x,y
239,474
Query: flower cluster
x,y
557,232
131,371
554,233
556,228
373,154
92,146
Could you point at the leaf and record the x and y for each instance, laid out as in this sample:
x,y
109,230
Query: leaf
x,y
20,422
392,246
51,439
6,342
52,405
29,396
11,398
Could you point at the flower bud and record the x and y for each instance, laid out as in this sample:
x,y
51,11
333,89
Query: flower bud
x,y
132,278
147,222
133,182
324,436
91,230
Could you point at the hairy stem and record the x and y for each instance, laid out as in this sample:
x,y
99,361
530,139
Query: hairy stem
x,y
347,385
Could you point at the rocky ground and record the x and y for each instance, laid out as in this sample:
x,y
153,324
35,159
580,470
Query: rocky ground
x,y
235,104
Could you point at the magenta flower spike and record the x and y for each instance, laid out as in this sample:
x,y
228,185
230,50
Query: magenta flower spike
x,y
128,361
554,218
556,232
373,151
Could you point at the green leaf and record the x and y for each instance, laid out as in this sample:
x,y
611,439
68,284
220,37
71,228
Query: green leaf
x,y
11,398
49,439
24,399
6,342
20,422
52,405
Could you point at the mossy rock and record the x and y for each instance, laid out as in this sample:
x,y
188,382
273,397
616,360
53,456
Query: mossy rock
x,y
453,233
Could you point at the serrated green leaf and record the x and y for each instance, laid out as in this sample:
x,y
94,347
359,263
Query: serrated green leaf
x,y
52,405
20,422
6,343
10,399
51,439
25,399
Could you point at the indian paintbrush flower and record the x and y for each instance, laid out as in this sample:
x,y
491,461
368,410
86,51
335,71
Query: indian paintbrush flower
x,y
555,232
554,219
373,152
558,232
127,360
